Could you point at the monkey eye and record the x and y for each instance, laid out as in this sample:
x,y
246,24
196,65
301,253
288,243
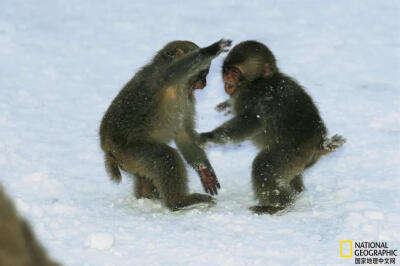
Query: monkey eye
x,y
235,71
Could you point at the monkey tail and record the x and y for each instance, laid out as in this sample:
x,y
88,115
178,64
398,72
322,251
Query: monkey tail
x,y
112,168
329,145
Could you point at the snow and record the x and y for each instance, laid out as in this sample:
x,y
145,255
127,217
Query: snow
x,y
62,62
100,241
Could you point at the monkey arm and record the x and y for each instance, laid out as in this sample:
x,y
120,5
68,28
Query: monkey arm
x,y
197,158
238,129
189,65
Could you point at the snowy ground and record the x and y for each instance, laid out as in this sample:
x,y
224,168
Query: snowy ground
x,y
62,62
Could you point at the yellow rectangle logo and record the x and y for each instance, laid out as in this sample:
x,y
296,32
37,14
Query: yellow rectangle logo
x,y
346,249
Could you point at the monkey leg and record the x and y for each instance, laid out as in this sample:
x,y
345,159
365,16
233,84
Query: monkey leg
x,y
144,188
272,175
164,167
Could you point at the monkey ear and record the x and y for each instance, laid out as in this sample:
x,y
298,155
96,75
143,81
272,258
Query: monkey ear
x,y
268,71
179,52
170,54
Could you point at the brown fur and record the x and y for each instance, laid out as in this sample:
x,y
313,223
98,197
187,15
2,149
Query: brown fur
x,y
18,244
279,117
154,108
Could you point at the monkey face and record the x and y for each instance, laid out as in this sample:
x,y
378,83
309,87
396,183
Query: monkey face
x,y
245,63
232,77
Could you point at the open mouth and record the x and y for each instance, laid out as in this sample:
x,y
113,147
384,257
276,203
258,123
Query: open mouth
x,y
229,87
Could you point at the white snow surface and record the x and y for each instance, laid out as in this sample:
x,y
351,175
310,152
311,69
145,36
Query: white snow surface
x,y
62,62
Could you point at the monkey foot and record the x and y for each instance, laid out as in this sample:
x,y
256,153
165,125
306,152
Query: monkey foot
x,y
265,209
197,206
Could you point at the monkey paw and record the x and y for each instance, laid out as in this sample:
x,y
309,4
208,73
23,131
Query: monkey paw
x,y
259,209
224,106
208,180
224,45
203,198
194,200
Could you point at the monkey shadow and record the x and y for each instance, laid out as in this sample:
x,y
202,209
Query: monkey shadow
x,y
130,204
226,202
301,206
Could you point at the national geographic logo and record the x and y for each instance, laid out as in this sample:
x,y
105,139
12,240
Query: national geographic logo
x,y
368,252
346,249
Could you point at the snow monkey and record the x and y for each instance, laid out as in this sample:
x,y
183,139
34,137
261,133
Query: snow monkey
x,y
279,117
18,244
155,107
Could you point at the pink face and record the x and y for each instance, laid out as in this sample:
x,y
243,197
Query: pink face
x,y
232,76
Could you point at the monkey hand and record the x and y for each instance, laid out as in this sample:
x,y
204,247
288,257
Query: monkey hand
x,y
224,45
208,180
222,106
217,47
